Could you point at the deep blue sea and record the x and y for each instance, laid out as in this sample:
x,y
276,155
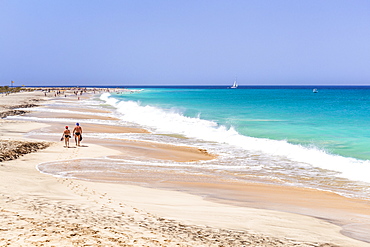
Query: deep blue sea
x,y
288,135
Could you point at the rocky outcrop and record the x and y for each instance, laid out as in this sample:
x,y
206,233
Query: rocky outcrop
x,y
28,105
10,150
4,114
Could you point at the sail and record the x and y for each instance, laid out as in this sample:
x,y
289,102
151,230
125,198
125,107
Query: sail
x,y
235,84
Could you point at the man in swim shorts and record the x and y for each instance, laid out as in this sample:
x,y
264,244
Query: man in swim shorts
x,y
77,132
66,135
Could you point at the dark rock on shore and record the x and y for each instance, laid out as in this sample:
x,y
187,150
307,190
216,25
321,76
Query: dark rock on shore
x,y
10,150
4,112
28,105
12,113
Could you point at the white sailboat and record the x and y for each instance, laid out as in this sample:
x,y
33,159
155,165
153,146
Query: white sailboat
x,y
235,84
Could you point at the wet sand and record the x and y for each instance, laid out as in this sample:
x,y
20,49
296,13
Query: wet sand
x,y
176,211
74,116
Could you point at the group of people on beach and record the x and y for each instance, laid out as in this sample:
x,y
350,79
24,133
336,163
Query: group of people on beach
x,y
77,133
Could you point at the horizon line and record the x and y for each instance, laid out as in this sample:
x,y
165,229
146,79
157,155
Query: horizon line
x,y
190,85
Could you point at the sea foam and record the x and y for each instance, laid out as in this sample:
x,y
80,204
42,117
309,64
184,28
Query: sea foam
x,y
173,121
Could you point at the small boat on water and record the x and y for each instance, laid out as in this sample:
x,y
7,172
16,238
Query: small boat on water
x,y
315,90
235,84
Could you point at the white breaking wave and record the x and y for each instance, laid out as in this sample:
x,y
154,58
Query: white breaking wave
x,y
171,121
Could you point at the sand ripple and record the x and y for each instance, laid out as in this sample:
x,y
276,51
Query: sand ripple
x,y
44,222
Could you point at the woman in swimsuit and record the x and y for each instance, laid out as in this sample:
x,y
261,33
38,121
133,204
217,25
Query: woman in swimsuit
x,y
66,135
77,132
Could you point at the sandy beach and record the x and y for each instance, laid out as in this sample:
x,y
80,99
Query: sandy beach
x,y
38,209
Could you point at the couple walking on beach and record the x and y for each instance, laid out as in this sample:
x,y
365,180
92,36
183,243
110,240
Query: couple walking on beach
x,y
77,133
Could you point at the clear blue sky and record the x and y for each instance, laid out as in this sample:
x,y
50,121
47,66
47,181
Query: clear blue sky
x,y
184,42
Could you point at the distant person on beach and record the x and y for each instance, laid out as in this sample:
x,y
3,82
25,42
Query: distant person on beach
x,y
77,132
66,135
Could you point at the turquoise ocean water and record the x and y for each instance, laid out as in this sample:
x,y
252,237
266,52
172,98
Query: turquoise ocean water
x,y
334,120
290,136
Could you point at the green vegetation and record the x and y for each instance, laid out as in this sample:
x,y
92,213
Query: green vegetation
x,y
7,89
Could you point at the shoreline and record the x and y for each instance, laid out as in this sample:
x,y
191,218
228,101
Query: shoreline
x,y
240,217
